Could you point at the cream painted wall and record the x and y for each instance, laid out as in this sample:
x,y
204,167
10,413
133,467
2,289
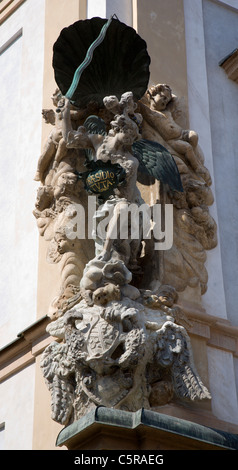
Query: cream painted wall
x,y
161,25
16,409
57,17
20,109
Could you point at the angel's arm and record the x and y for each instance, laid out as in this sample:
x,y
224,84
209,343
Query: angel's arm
x,y
152,117
74,139
66,121
79,139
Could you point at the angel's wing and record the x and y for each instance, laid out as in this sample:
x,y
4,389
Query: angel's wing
x,y
155,160
58,377
95,125
174,352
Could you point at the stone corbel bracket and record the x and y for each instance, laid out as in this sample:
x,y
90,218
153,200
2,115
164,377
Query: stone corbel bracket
x,y
230,65
218,333
143,429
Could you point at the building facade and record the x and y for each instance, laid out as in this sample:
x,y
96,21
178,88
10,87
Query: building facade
x,y
193,49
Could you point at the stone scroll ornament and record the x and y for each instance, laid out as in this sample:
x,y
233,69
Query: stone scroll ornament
x,y
119,343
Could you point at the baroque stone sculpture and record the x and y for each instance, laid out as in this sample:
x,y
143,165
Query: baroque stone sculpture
x,y
121,339
195,231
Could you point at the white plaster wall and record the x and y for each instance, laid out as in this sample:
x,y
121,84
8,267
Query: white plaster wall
x,y
221,38
106,8
2,436
96,8
10,65
199,119
20,110
211,34
17,410
222,385
236,371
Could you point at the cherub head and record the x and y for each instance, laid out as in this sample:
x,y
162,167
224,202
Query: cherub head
x,y
167,295
61,241
49,116
105,294
65,184
159,96
44,197
125,129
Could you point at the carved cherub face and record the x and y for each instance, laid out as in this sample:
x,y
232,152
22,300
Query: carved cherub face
x,y
44,197
129,136
62,243
49,116
103,295
167,295
124,129
159,97
65,184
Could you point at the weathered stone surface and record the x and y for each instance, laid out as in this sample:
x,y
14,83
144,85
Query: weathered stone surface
x,y
122,340
143,429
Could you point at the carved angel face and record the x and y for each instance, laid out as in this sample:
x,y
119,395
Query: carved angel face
x,y
103,295
62,243
65,184
167,295
159,96
44,197
124,129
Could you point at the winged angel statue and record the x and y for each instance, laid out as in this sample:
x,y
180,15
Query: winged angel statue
x,y
118,344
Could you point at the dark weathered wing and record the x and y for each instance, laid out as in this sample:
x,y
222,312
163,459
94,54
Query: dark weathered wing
x,y
155,160
175,354
58,373
94,125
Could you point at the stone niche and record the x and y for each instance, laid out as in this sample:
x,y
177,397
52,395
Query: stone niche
x,y
122,338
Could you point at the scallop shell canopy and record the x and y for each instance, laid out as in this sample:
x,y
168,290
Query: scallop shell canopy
x,y
119,64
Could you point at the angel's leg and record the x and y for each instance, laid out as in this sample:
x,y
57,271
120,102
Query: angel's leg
x,y
114,229
45,159
60,154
